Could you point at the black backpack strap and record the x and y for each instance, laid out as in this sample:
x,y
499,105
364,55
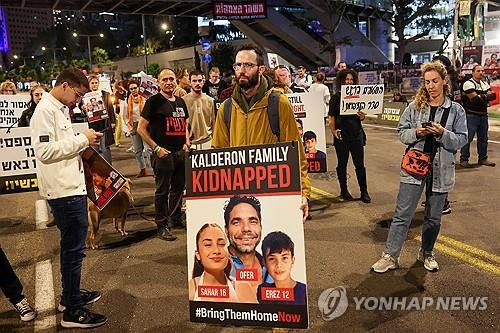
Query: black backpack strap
x,y
444,117
273,112
228,106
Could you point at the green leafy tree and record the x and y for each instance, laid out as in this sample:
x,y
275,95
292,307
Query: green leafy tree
x,y
100,57
154,69
420,14
223,57
153,45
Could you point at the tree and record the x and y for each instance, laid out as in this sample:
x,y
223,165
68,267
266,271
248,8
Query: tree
x,y
332,13
152,45
100,57
417,14
223,57
154,69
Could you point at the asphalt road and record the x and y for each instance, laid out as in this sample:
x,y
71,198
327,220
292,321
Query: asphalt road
x,y
143,279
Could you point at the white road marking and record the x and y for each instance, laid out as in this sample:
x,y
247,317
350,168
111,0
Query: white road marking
x,y
394,129
44,298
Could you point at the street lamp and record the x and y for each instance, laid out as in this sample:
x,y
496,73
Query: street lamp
x,y
164,26
54,49
101,35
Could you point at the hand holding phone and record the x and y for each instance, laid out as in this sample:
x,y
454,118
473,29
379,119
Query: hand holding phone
x,y
427,124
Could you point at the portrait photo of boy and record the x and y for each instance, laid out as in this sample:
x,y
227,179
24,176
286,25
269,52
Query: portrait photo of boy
x,y
279,258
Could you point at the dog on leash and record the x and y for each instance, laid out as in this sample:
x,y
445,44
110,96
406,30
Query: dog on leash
x,y
116,209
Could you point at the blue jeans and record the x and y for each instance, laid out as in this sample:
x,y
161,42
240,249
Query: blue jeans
x,y
105,151
138,148
70,214
476,124
408,198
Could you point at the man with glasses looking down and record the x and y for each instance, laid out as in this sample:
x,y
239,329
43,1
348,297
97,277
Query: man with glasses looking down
x,y
61,181
249,103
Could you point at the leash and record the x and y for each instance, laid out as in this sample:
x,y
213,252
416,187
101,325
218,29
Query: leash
x,y
153,220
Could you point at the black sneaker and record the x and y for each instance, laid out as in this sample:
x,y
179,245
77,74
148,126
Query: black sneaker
x,y
88,297
165,234
26,312
446,208
82,318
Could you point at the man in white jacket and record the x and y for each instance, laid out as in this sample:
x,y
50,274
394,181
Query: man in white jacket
x,y
61,181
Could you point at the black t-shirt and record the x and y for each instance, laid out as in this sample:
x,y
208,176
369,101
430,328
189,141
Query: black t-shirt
x,y
349,126
167,121
214,90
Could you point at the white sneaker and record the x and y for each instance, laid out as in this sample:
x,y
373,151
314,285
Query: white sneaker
x,y
130,150
429,261
386,263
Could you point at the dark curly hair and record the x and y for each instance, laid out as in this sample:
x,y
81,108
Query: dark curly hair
x,y
342,76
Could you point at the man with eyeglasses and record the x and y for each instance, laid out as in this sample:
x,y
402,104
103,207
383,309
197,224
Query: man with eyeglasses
x,y
249,104
163,126
201,113
61,181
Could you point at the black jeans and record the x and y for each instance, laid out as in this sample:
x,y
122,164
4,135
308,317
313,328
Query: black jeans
x,y
9,282
70,214
356,148
170,181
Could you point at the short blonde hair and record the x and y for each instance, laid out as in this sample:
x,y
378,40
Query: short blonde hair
x,y
8,85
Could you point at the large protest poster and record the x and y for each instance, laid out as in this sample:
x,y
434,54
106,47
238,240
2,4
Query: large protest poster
x,y
148,85
411,84
491,59
241,203
101,179
11,108
93,105
17,159
365,98
308,109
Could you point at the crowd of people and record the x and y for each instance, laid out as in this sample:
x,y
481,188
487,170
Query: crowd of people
x,y
182,116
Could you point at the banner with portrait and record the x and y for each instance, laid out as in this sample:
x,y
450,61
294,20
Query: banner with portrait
x,y
148,85
101,179
93,105
11,108
309,113
472,56
491,59
245,237
17,159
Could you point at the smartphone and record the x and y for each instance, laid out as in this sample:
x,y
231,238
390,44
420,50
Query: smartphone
x,y
427,124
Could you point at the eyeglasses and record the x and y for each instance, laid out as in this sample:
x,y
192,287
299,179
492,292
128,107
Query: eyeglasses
x,y
244,65
79,95
133,88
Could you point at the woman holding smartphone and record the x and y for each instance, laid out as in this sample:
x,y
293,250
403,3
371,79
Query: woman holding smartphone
x,y
436,126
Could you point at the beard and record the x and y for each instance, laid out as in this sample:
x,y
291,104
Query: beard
x,y
247,82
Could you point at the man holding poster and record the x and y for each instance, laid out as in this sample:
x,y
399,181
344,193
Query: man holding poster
x,y
61,181
249,106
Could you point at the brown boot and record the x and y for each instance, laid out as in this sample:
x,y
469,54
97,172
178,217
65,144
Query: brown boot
x,y
141,173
